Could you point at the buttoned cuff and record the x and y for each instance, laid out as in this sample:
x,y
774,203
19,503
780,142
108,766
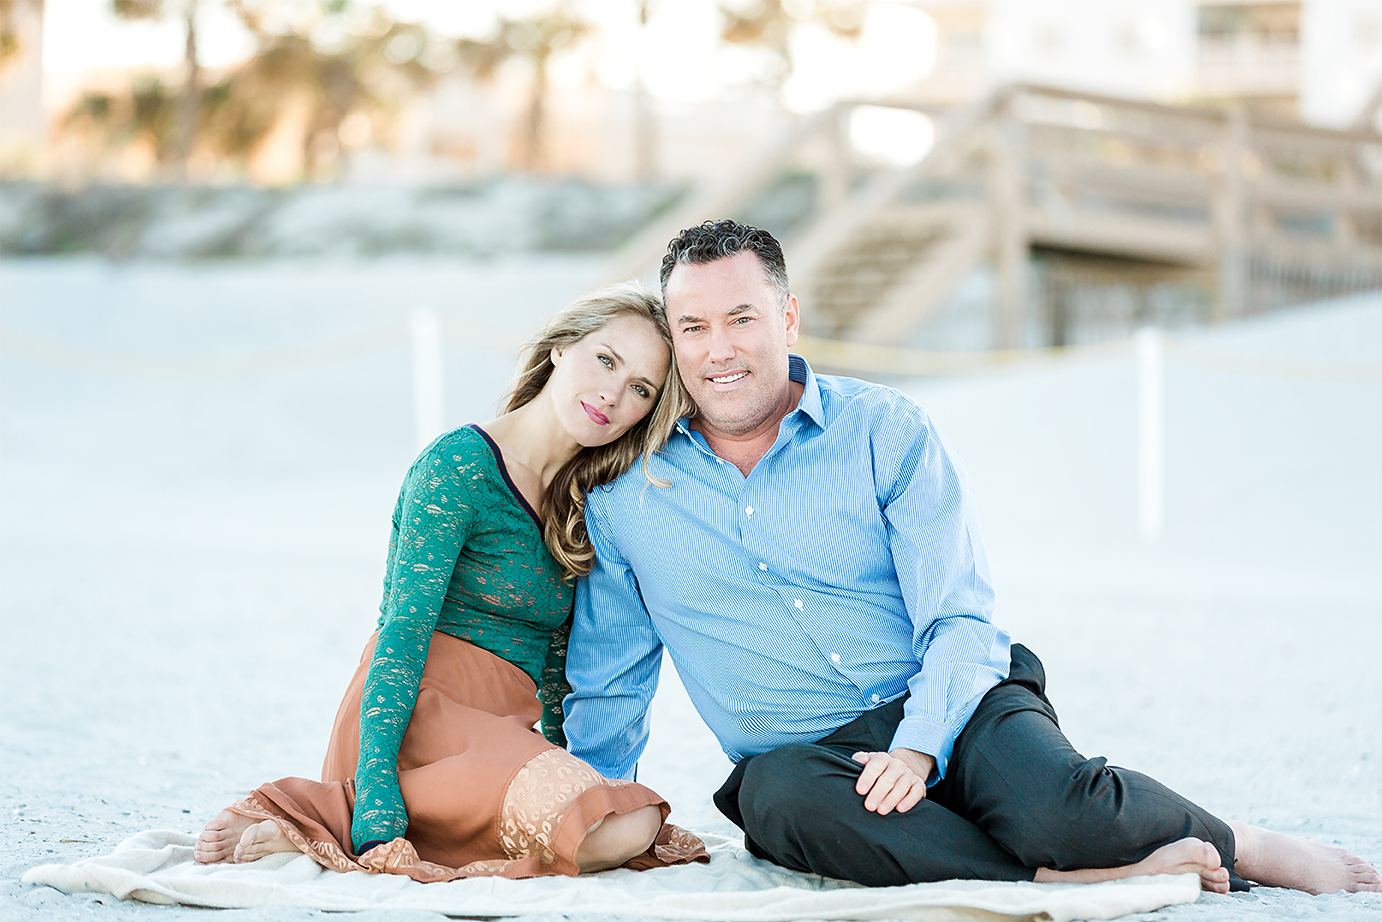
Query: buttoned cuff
x,y
921,735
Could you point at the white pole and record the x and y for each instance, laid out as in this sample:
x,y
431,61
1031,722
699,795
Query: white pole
x,y
1150,424
425,328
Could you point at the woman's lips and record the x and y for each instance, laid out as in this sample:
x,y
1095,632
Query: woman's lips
x,y
599,418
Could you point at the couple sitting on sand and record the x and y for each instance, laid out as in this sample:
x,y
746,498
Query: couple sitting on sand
x,y
806,548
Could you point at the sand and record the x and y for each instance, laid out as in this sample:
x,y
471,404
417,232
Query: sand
x,y
188,569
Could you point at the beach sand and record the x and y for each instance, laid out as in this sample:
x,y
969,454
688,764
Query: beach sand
x,y
189,568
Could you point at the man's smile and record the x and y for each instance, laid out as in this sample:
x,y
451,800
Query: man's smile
x,y
729,378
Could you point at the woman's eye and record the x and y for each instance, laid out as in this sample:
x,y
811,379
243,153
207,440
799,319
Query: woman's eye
x,y
607,361
640,390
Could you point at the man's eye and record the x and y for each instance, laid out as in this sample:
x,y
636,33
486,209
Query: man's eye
x,y
695,329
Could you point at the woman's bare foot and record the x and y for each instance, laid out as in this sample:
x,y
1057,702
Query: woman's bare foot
x,y
235,838
220,836
1278,860
262,839
1185,856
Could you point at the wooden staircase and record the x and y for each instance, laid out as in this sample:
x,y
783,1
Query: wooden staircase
x,y
895,272
1167,192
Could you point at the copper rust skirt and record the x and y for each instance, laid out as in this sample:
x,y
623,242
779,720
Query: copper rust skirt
x,y
486,794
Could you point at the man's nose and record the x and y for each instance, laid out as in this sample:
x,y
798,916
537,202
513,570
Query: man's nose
x,y
721,345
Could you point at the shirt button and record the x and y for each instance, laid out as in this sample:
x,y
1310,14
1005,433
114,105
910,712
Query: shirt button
x,y
834,657
875,699
762,566
798,603
748,510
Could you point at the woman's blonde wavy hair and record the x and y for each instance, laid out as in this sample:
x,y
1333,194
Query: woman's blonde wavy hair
x,y
563,503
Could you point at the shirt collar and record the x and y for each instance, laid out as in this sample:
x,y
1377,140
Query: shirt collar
x,y
810,403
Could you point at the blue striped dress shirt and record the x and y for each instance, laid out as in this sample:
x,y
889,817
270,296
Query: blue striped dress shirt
x,y
844,571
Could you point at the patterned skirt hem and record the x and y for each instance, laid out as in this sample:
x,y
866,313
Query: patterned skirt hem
x,y
551,804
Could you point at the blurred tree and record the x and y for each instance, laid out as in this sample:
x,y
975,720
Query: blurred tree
x,y
343,73
766,25
533,39
327,72
154,103
11,42
9,32
644,125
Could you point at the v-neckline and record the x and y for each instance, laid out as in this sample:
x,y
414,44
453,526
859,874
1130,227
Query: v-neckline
x,y
508,481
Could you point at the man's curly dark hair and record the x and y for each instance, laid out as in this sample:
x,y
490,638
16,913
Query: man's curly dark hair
x,y
705,243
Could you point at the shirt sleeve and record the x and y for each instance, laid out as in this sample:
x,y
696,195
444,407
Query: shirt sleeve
x,y
613,662
555,687
433,518
944,577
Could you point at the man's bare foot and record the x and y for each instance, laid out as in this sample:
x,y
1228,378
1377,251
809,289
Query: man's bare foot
x,y
1188,856
1278,860
232,837
1185,856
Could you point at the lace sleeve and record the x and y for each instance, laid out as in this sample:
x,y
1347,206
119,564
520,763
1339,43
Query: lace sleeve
x,y
434,518
554,687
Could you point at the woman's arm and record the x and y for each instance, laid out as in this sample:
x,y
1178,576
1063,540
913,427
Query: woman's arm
x,y
554,686
434,519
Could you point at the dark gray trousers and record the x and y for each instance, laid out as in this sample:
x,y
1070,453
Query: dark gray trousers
x,y
1016,797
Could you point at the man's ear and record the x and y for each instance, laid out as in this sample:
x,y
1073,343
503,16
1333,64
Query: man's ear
x,y
792,319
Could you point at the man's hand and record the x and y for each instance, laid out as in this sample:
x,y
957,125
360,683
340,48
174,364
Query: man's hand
x,y
893,780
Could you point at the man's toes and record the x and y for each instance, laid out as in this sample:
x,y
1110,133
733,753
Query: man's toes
x,y
1215,879
1365,876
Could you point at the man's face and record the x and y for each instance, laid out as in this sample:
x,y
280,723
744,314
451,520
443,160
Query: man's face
x,y
731,335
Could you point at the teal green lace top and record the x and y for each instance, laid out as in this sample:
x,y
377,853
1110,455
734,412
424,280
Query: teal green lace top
x,y
465,557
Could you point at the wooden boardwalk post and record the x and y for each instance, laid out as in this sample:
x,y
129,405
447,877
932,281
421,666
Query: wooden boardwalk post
x,y
1150,426
424,328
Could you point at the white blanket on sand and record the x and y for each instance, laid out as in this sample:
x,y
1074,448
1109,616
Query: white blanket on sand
x,y
157,867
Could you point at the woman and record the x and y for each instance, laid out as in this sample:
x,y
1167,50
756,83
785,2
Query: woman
x,y
434,768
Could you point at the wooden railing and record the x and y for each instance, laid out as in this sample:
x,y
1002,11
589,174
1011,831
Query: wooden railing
x,y
1253,212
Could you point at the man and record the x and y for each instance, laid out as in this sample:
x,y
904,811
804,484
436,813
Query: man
x,y
816,573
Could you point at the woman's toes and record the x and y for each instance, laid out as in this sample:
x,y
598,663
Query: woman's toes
x,y
262,839
218,838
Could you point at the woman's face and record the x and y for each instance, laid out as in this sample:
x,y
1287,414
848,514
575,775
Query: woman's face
x,y
603,384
